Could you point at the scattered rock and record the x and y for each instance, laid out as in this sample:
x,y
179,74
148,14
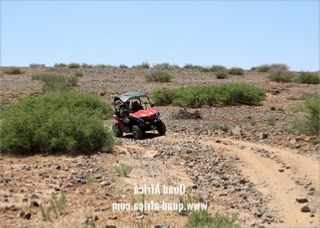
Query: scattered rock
x,y
305,209
302,200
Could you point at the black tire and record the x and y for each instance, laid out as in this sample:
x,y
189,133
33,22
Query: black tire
x,y
137,132
161,128
116,130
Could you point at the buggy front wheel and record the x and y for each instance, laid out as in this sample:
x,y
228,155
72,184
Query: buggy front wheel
x,y
116,130
161,128
137,132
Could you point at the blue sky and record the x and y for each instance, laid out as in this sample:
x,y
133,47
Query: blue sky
x,y
230,33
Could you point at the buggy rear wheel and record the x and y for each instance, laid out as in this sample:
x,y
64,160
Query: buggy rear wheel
x,y
116,130
161,128
137,132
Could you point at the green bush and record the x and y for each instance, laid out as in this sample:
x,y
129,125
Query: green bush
x,y
73,65
263,68
218,68
123,170
13,70
158,76
144,65
279,73
123,66
68,122
163,96
165,66
223,127
236,71
85,65
196,96
190,66
55,83
60,65
271,121
310,123
221,74
78,74
203,219
34,65
308,78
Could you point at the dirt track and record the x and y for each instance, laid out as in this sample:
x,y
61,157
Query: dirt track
x,y
260,178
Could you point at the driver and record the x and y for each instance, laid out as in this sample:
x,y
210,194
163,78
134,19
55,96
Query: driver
x,y
124,112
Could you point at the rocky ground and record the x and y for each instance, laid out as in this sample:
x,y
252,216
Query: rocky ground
x,y
269,177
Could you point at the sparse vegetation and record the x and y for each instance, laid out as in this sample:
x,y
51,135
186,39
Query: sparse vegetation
x,y
69,123
34,65
60,65
223,127
185,202
144,65
271,121
13,70
308,78
122,66
56,206
56,82
158,76
218,68
73,65
236,71
310,122
78,74
123,170
280,73
163,96
222,74
166,66
85,65
203,219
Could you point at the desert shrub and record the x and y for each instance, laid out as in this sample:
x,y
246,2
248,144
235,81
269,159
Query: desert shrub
x,y
202,218
236,71
226,94
223,127
222,74
57,206
197,67
122,66
56,82
218,68
263,68
279,73
162,66
185,202
123,170
310,122
78,74
73,65
165,66
163,96
158,76
144,65
308,78
60,65
34,65
85,65
13,70
271,121
69,122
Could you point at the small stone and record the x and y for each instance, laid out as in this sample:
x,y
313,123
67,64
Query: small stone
x,y
58,167
112,217
110,226
21,214
139,217
281,170
161,226
83,221
302,200
104,183
27,216
305,209
33,204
